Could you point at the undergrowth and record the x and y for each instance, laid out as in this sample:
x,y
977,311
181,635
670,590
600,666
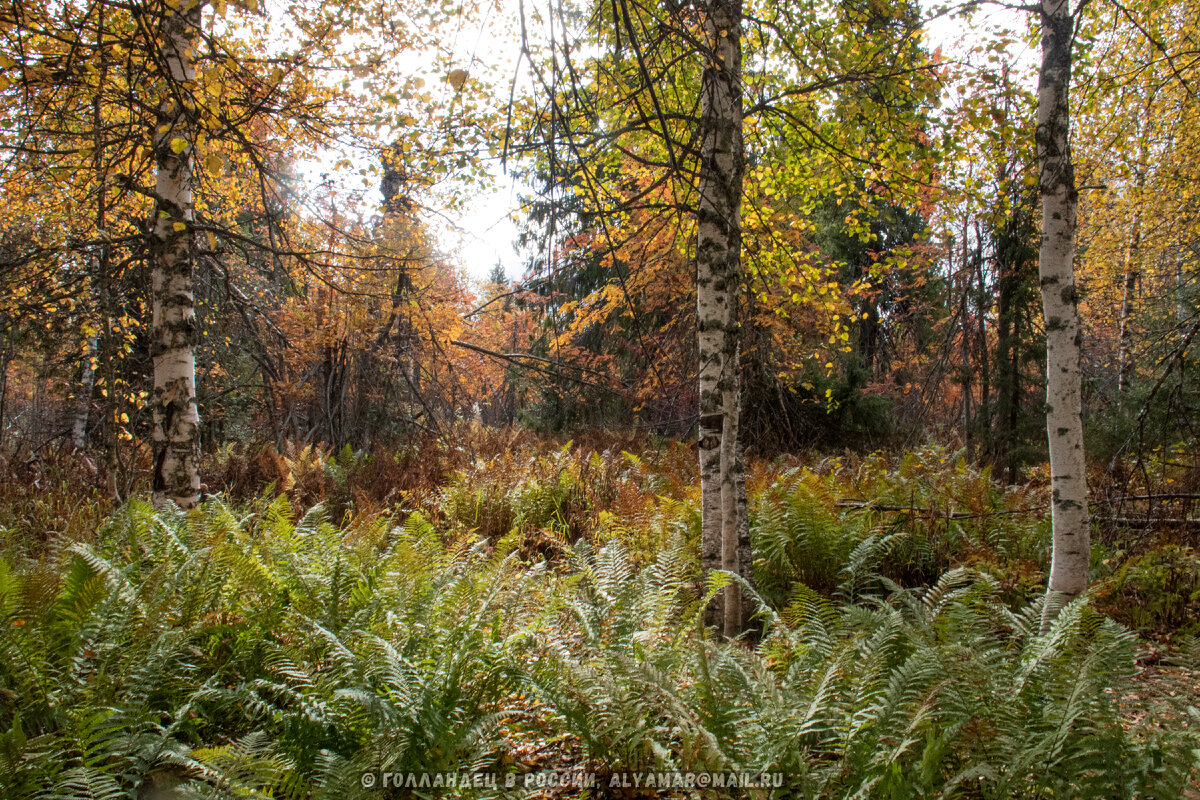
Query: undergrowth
x,y
542,607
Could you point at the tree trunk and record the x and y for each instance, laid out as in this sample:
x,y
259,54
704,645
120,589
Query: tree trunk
x,y
173,330
1008,351
1014,262
105,348
718,277
868,334
745,555
6,351
1181,305
83,403
1064,418
963,279
39,426
983,307
732,475
1132,273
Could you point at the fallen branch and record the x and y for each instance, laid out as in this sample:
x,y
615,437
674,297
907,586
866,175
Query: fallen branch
x,y
934,512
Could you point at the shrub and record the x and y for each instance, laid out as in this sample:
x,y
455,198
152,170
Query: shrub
x,y
1158,591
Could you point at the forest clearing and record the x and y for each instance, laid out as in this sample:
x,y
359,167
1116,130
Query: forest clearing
x,y
599,398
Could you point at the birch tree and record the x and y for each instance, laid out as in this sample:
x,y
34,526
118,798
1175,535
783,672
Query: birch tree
x,y
1064,417
173,329
718,279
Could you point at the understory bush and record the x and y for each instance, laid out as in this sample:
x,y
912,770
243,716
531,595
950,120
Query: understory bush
x,y
1157,591
845,523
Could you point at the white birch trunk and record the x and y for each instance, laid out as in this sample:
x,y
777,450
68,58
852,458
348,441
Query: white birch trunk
x,y
173,330
732,605
83,403
1064,418
735,531
1132,272
1132,268
718,275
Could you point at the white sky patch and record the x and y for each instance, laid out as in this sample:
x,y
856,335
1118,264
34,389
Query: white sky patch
x,y
483,232
957,35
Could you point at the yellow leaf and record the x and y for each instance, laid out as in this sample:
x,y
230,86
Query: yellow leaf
x,y
178,145
6,62
457,78
213,163
180,226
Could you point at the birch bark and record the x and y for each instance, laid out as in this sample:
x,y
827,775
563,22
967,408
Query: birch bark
x,y
1130,280
730,464
1069,509
83,402
173,330
718,276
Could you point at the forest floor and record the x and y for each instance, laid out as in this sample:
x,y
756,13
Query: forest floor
x,y
529,609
